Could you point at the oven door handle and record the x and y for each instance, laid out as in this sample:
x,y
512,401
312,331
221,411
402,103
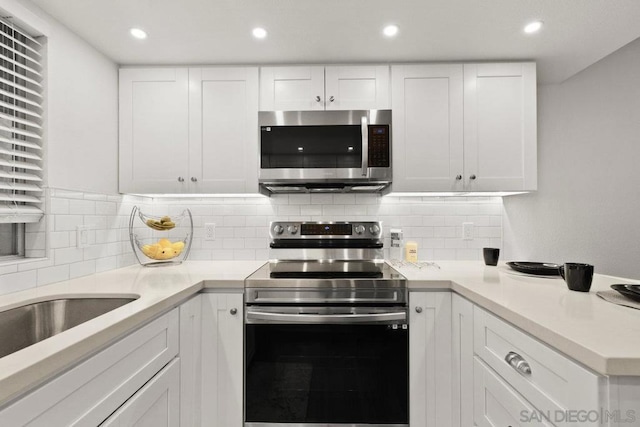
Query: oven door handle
x,y
274,317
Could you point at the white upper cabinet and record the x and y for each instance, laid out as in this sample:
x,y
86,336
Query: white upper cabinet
x,y
292,88
427,127
223,149
500,127
154,129
189,130
468,127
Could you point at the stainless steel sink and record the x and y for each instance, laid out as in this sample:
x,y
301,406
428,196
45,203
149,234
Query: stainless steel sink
x,y
26,325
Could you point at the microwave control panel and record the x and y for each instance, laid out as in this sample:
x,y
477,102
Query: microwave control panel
x,y
379,146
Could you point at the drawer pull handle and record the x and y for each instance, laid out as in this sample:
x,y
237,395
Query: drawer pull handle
x,y
518,363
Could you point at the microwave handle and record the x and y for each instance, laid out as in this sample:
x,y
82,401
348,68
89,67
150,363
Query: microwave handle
x,y
365,146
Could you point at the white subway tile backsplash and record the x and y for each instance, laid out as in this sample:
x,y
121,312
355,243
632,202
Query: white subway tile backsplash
x,y
52,274
83,268
67,222
242,228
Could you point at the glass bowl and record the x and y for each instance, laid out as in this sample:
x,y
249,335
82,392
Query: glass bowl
x,y
160,240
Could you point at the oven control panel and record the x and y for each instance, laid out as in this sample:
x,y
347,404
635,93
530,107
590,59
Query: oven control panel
x,y
325,230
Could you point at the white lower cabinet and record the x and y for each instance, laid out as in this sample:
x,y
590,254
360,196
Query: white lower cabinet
x,y
190,361
555,389
462,361
157,404
496,404
429,359
222,360
90,392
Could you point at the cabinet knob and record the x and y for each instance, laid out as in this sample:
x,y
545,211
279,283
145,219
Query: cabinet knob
x,y
318,99
180,179
331,99
418,309
472,177
518,363
458,177
233,311
194,179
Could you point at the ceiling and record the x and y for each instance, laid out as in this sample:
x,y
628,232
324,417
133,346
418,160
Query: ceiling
x,y
576,33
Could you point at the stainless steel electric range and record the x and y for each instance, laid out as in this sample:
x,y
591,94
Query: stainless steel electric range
x,y
326,330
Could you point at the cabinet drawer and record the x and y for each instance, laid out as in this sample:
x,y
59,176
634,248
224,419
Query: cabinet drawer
x,y
91,391
554,384
495,404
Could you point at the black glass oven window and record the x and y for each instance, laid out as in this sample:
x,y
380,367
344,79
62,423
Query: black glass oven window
x,y
311,146
327,374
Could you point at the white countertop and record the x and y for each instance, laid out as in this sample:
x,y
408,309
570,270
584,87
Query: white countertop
x,y
600,335
158,288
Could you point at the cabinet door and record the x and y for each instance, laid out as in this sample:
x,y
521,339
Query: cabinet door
x,y
291,88
190,362
462,323
500,135
427,110
498,405
154,130
223,115
222,360
157,404
430,359
357,87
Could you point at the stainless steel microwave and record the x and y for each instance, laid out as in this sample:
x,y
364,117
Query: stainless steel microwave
x,y
325,151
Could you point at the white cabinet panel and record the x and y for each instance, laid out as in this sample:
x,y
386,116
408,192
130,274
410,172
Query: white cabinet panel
x,y
223,156
462,358
364,87
190,362
430,359
157,404
189,130
346,87
291,88
222,360
87,394
500,126
468,127
554,383
154,129
427,127
498,405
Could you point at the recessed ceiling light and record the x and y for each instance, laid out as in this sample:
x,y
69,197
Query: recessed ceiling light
x,y
259,33
390,30
138,33
533,27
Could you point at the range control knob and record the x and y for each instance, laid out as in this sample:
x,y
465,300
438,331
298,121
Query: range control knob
x,y
292,229
374,229
360,229
278,229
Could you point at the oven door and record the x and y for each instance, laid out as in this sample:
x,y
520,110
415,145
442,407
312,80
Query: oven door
x,y
328,366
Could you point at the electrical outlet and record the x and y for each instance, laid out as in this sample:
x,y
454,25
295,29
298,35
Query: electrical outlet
x,y
210,231
467,231
82,236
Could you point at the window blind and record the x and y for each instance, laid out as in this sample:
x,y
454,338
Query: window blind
x,y
21,165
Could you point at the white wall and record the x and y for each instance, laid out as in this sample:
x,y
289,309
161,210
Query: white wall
x,y
587,208
82,110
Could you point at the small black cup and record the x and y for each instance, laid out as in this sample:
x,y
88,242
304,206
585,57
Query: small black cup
x,y
491,255
578,276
